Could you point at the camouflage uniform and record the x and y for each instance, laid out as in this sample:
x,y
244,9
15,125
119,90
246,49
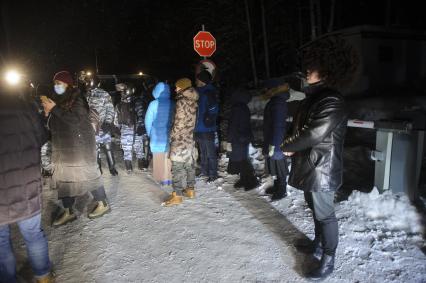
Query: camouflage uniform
x,y
130,119
100,100
182,145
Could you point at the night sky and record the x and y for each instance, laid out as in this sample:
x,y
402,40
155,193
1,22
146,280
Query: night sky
x,y
43,37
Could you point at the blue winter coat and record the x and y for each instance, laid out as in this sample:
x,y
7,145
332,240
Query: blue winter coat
x,y
239,128
158,118
274,121
208,109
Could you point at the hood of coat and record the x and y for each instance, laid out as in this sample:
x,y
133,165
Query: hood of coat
x,y
189,93
281,90
161,91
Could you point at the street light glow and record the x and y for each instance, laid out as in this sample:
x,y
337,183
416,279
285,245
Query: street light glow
x,y
140,74
88,73
12,77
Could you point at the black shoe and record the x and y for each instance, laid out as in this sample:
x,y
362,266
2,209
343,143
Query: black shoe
x,y
280,190
270,190
140,164
128,165
277,195
324,270
211,180
239,184
251,184
113,171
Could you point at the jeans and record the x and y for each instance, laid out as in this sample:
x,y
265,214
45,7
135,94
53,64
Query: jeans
x,y
37,250
326,227
208,153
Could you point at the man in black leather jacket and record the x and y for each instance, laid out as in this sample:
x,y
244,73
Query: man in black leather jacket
x,y
316,144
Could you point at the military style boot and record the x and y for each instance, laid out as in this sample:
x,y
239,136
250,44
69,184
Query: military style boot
x,y
46,279
280,190
101,209
98,157
67,216
324,270
128,165
174,199
189,193
142,164
110,159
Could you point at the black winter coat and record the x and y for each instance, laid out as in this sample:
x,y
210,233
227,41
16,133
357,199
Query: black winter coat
x,y
318,138
73,145
22,135
274,121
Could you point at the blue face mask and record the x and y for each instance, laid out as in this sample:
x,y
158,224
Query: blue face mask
x,y
59,89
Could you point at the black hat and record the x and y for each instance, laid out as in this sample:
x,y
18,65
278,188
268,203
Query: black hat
x,y
204,76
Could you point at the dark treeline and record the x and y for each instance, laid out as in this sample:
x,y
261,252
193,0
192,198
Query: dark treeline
x,y
156,36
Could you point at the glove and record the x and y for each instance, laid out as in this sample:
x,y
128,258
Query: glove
x,y
228,147
140,131
271,150
106,127
275,154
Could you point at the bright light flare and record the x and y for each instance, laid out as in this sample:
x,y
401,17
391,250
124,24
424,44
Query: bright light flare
x,y
12,77
88,73
140,73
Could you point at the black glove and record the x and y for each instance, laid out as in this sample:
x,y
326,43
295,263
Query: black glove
x,y
140,130
106,127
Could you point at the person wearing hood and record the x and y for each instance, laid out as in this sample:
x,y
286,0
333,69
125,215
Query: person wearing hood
x,y
73,149
206,127
183,153
316,143
158,121
240,136
274,131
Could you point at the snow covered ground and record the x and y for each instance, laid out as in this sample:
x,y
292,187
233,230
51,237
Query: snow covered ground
x,y
226,235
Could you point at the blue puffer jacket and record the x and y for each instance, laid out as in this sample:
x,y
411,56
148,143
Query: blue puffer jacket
x,y
208,109
158,118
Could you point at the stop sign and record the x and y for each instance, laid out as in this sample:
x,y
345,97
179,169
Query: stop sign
x,y
204,43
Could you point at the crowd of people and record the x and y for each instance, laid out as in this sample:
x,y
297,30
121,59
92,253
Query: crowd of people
x,y
180,127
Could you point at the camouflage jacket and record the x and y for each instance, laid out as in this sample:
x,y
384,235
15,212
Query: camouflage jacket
x,y
182,145
101,101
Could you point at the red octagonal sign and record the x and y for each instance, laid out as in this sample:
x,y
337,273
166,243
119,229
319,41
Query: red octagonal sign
x,y
204,43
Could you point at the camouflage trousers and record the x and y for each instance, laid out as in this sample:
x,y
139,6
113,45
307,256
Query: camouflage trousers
x,y
131,142
46,156
183,172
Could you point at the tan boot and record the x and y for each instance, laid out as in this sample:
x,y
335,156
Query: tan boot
x,y
65,217
46,279
174,199
189,193
100,210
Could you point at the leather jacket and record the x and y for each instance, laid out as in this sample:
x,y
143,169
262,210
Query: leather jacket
x,y
317,140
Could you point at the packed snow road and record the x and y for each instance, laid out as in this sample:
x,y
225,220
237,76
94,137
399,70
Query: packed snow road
x,y
224,235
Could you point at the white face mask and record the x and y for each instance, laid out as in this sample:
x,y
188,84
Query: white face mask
x,y
59,89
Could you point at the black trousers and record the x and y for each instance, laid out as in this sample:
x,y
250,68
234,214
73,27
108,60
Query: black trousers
x,y
326,227
98,195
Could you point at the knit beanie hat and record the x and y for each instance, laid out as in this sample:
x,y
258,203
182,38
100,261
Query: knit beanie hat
x,y
183,83
65,77
204,76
